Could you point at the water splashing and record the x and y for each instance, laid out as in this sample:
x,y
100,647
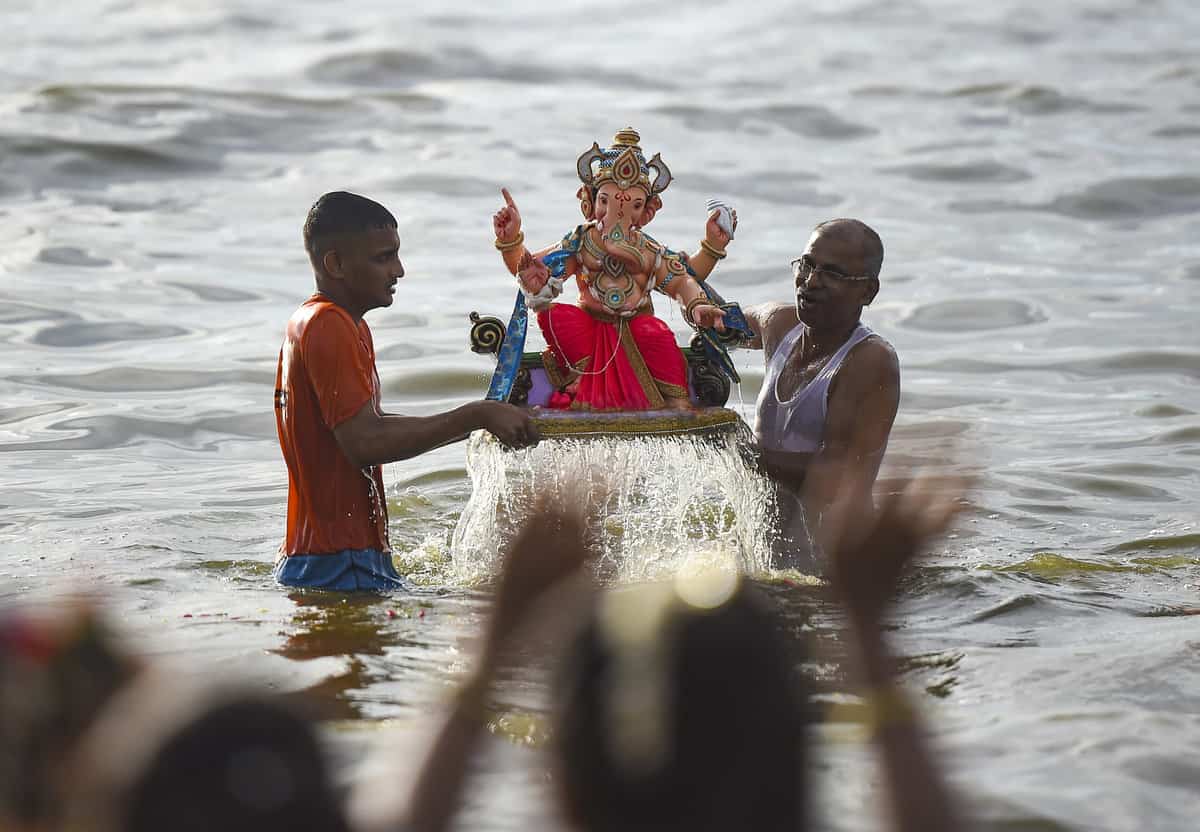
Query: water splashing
x,y
668,502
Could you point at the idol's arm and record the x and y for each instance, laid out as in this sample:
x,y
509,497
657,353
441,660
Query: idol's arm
x,y
675,282
514,256
705,260
771,322
683,289
510,239
542,582
712,247
862,409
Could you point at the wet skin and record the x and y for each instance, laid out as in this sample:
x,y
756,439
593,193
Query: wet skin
x,y
360,270
823,302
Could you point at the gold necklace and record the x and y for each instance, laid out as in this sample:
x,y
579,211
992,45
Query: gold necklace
x,y
613,284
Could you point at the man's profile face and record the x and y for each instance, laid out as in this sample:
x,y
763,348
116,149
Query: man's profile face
x,y
822,298
370,267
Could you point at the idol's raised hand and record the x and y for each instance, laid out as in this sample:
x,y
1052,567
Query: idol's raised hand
x,y
532,273
717,236
507,221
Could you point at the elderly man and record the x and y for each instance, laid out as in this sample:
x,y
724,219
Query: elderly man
x,y
832,386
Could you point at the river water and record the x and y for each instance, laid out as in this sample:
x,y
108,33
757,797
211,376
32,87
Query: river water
x,y
1033,169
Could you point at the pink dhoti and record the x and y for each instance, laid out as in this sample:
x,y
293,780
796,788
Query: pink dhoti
x,y
626,363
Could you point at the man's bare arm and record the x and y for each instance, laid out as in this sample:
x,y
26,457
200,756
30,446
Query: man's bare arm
x,y
370,438
867,557
788,467
542,582
862,408
770,322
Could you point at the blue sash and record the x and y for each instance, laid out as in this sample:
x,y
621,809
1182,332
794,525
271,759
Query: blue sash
x,y
508,360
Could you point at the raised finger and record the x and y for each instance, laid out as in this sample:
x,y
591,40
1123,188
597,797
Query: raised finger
x,y
508,200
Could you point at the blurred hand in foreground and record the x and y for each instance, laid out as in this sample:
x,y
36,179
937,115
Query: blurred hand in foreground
x,y
866,563
550,547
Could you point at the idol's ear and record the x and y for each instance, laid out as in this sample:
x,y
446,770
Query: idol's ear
x,y
587,200
652,206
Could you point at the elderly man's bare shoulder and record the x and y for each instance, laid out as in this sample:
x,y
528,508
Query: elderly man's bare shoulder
x,y
771,321
872,364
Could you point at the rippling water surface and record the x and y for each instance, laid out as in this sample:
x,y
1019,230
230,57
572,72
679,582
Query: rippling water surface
x,y
1032,168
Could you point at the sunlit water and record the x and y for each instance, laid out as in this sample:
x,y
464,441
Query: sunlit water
x,y
1032,169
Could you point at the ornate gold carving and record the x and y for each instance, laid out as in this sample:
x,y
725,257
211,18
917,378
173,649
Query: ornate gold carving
x,y
713,251
591,246
487,334
583,165
626,170
555,372
509,245
626,138
662,175
522,384
671,391
637,423
691,308
624,164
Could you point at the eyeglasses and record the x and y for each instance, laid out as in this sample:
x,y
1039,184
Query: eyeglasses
x,y
803,269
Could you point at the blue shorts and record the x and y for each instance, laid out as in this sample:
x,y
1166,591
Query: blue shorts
x,y
349,570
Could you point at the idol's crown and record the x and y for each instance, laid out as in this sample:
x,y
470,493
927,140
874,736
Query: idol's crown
x,y
624,164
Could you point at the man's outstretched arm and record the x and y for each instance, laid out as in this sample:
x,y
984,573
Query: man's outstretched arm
x,y
370,438
770,322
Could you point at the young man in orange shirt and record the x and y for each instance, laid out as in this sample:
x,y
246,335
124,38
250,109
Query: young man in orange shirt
x,y
332,429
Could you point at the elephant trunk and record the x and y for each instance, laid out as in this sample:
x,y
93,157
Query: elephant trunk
x,y
620,240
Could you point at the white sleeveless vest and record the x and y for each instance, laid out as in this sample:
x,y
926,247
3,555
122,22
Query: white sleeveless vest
x,y
798,424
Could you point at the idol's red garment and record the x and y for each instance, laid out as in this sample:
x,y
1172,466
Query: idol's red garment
x,y
630,364
326,374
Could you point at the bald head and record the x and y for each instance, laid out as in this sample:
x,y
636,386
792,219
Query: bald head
x,y
856,235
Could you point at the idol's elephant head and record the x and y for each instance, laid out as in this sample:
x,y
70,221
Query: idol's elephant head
x,y
619,213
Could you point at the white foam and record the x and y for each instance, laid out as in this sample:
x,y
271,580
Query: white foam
x,y
667,502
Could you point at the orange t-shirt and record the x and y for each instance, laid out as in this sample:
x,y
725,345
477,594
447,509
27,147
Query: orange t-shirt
x,y
326,374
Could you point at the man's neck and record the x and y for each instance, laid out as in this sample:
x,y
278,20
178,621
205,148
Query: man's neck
x,y
825,341
336,299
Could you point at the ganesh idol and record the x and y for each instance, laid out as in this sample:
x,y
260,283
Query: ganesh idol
x,y
609,351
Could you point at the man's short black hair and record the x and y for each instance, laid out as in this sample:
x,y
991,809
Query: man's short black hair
x,y
341,212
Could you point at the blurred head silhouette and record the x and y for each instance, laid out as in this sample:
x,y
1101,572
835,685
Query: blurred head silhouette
x,y
59,666
166,758
677,709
